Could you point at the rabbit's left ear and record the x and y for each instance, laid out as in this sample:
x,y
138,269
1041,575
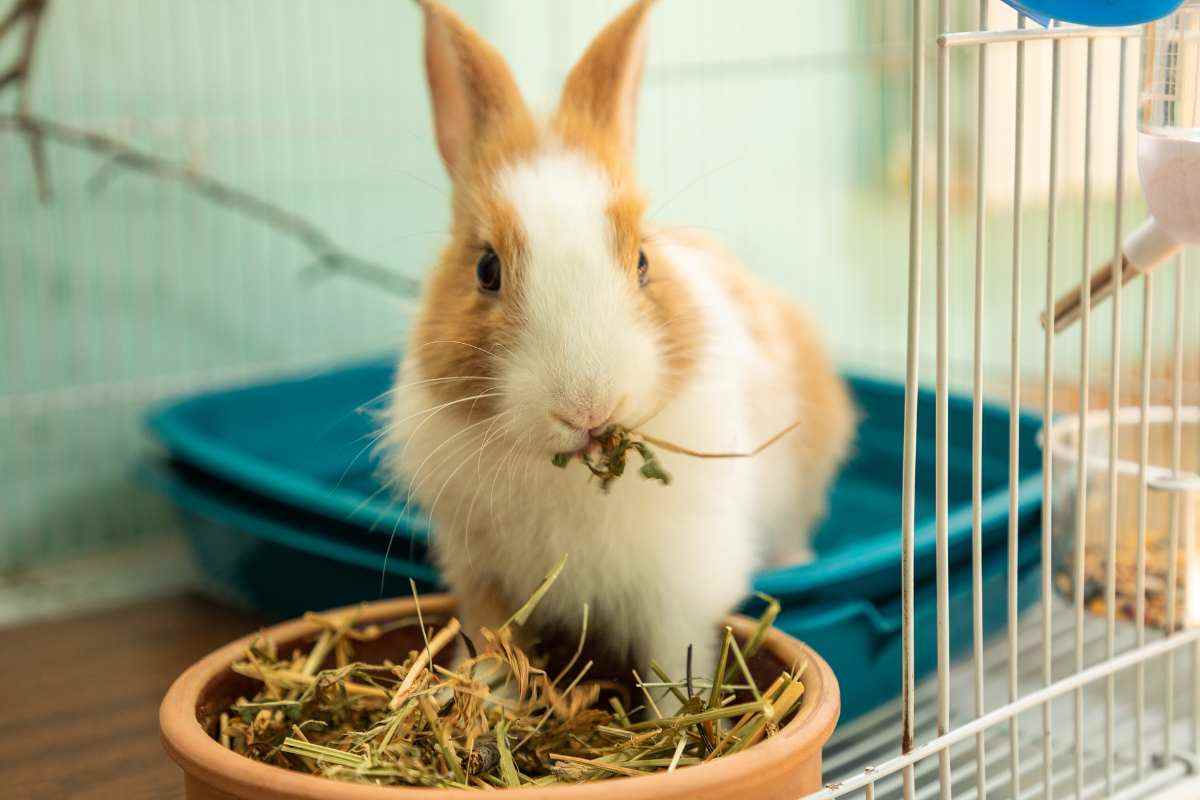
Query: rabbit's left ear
x,y
599,99
470,87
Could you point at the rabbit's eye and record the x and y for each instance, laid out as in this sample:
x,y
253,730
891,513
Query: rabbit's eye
x,y
487,272
643,269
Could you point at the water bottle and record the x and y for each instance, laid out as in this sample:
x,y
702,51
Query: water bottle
x,y
1168,155
1169,122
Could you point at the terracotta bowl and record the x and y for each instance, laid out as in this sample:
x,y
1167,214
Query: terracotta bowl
x,y
787,765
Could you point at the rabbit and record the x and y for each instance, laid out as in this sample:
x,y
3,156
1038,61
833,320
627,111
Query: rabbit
x,y
558,310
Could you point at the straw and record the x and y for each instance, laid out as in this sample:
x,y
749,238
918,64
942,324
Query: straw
x,y
414,722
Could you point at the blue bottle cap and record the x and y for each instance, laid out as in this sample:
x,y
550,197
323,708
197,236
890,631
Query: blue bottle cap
x,y
1108,13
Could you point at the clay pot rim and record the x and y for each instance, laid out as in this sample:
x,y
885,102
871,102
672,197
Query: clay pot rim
x,y
199,755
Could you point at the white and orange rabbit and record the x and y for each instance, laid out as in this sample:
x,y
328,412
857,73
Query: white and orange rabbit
x,y
557,310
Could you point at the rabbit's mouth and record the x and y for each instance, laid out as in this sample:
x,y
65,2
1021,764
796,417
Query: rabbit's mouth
x,y
595,443
578,431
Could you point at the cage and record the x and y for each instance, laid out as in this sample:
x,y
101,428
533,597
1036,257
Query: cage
x,y
197,194
1075,702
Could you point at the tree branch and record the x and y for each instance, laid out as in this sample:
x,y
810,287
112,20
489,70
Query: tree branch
x,y
327,254
30,12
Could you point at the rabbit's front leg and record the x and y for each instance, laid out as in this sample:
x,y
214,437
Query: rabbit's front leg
x,y
697,592
667,644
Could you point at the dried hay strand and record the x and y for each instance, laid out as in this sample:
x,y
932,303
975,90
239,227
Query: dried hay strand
x,y
495,719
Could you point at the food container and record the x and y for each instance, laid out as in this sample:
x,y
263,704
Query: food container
x,y
1170,506
787,765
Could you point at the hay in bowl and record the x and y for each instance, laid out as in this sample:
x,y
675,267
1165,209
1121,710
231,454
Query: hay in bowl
x,y
496,717
343,722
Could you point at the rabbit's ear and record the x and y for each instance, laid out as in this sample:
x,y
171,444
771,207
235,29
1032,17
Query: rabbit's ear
x,y
470,86
601,93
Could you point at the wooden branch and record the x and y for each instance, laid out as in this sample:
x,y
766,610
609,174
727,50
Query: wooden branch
x,y
31,13
37,146
28,11
18,10
327,254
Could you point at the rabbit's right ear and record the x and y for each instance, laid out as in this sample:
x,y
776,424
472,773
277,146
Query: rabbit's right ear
x,y
470,86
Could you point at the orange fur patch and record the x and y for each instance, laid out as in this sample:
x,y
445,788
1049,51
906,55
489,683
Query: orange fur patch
x,y
599,100
787,337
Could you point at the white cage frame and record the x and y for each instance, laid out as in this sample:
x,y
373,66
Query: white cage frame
x,y
1173,765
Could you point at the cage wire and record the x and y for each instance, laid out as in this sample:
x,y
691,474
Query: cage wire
x,y
1073,701
219,192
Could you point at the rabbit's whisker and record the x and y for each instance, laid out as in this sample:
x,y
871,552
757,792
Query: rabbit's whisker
x,y
492,490
442,406
413,484
412,490
446,441
426,381
483,350
431,414
437,498
693,183
479,482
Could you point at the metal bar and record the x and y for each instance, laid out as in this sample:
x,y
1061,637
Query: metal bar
x,y
1110,577
1163,786
1140,580
1048,417
1176,499
1014,410
1140,789
1094,789
942,412
870,741
1085,339
1177,385
1185,790
965,776
908,502
966,38
872,737
964,763
999,716
1124,774
997,784
1187,522
977,407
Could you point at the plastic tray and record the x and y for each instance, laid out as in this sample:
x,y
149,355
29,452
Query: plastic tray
x,y
305,442
285,563
266,556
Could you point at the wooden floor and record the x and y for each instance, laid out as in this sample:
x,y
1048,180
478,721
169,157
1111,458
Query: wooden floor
x,y
79,698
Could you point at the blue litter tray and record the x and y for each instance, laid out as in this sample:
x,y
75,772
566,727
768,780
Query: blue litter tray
x,y
272,558
304,443
267,556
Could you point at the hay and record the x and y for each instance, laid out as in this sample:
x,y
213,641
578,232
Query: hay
x,y
605,455
496,719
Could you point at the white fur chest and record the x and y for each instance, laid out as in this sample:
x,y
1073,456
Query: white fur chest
x,y
509,515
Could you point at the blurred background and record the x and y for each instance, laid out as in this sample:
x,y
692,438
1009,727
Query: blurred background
x,y
283,157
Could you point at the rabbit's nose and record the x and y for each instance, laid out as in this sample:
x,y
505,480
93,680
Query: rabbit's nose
x,y
592,419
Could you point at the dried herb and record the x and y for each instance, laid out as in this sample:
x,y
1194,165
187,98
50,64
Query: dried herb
x,y
498,719
606,454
